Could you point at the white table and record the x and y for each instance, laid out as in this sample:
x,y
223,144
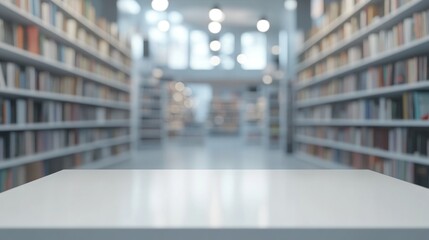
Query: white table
x,y
215,204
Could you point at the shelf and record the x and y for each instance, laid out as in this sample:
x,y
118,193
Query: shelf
x,y
412,49
333,26
320,162
12,92
103,163
8,163
65,125
363,123
88,25
384,23
14,54
22,17
379,92
363,150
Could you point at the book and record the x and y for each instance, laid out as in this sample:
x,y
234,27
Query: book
x,y
421,105
32,38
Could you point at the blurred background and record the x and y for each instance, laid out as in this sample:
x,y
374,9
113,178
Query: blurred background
x,y
224,84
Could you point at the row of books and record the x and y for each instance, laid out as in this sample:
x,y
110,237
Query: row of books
x,y
407,71
406,106
50,10
24,143
30,39
411,172
413,141
405,32
372,13
16,176
30,78
52,15
23,111
410,29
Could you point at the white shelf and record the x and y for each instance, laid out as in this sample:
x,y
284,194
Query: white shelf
x,y
65,125
88,25
363,150
363,123
320,162
15,54
20,16
334,25
384,23
8,163
412,49
264,204
103,163
379,92
13,92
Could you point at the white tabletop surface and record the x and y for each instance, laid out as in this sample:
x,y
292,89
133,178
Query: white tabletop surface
x,y
215,199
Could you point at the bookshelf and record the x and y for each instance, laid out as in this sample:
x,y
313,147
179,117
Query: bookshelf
x,y
253,112
272,117
151,119
64,90
224,116
362,90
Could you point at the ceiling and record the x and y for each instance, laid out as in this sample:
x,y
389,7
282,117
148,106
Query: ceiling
x,y
239,14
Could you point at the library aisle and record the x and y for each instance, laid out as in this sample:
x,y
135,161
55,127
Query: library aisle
x,y
214,153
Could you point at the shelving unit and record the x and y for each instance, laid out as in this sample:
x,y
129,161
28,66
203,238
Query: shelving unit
x,y
224,116
64,91
272,117
360,92
253,111
151,119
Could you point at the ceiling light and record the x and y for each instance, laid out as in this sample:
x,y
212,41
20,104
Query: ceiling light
x,y
267,79
215,27
215,45
163,26
263,25
160,5
291,5
241,58
216,14
215,60
128,6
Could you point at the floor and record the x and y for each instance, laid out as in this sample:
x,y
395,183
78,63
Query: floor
x,y
212,153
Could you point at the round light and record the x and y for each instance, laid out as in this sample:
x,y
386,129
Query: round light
x,y
179,86
241,58
275,50
291,5
163,26
215,45
160,5
215,27
263,25
177,97
128,6
267,79
157,73
216,15
215,60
